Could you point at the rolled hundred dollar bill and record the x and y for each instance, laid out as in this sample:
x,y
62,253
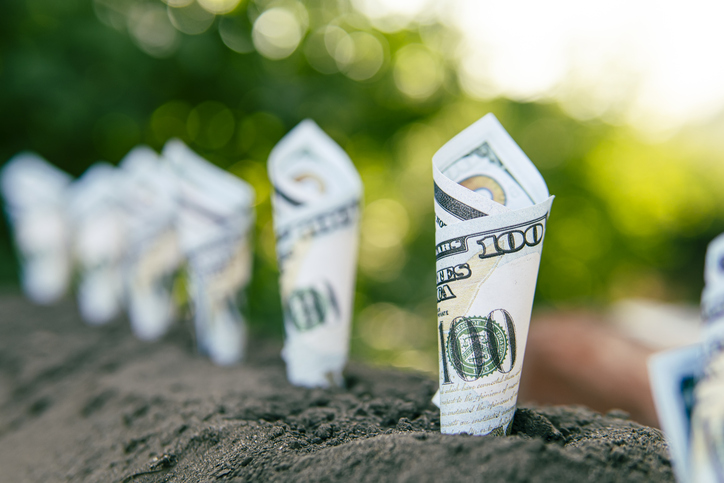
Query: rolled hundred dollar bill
x,y
673,375
491,207
100,241
317,194
153,253
706,457
35,194
214,221
712,298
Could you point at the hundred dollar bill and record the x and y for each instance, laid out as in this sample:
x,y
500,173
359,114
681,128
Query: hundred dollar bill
x,y
35,195
316,207
706,456
215,216
99,242
673,375
153,253
491,207
712,298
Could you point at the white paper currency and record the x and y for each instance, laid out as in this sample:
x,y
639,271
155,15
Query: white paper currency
x,y
673,375
706,452
316,203
35,194
99,241
153,253
712,297
214,222
491,208
706,455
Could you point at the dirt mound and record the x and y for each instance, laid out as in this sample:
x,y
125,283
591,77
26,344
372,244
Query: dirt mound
x,y
94,404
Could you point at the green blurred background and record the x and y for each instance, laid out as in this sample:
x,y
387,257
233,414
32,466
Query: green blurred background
x,y
86,80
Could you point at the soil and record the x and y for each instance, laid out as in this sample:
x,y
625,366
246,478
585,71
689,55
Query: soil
x,y
81,403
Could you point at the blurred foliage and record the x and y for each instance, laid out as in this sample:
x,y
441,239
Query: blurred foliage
x,y
86,80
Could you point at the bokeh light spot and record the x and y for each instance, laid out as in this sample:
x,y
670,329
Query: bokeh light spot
x,y
211,125
169,121
317,53
191,19
333,35
418,73
392,15
359,55
152,31
384,326
385,223
177,3
219,7
277,33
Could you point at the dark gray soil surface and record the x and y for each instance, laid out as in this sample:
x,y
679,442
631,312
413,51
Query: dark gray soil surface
x,y
82,403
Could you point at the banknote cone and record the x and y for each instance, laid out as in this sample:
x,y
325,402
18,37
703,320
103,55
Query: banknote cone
x,y
714,262
673,374
214,222
706,455
712,298
100,242
316,220
153,253
35,194
491,208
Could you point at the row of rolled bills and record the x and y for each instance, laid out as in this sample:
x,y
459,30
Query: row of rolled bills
x,y
688,385
123,234
128,229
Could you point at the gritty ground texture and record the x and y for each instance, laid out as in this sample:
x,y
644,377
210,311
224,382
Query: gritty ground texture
x,y
82,403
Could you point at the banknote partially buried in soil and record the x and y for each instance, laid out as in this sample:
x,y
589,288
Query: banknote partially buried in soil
x,y
316,202
688,385
491,207
214,222
706,438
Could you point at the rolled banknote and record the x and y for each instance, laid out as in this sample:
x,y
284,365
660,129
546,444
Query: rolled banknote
x,y
214,222
712,298
35,194
153,253
99,241
673,375
316,209
706,452
491,208
706,456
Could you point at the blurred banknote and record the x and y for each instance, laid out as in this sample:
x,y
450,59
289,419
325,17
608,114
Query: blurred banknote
x,y
153,253
491,207
712,298
316,203
706,461
673,375
35,194
99,241
215,216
